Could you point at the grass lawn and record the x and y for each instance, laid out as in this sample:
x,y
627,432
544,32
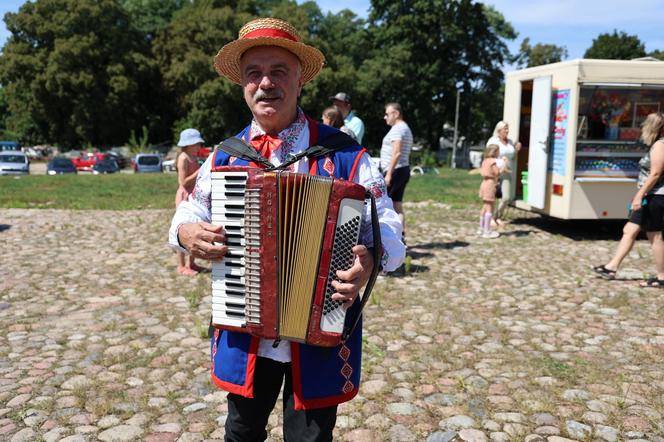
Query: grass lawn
x,y
157,191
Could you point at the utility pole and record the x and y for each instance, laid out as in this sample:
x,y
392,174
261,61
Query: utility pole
x,y
456,128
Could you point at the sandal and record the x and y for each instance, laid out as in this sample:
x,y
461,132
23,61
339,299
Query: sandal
x,y
603,272
186,271
653,283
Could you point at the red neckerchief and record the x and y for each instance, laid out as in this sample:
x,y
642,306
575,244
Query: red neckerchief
x,y
266,144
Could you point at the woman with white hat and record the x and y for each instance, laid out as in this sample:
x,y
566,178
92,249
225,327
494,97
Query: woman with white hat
x,y
187,167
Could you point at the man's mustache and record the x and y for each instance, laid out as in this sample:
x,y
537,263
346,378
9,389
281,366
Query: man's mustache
x,y
262,94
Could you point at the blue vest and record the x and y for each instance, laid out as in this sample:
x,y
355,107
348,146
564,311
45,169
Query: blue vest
x,y
322,376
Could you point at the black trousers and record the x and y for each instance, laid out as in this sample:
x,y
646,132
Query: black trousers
x,y
247,418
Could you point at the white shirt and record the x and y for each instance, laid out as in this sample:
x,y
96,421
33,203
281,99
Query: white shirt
x,y
197,208
506,149
400,131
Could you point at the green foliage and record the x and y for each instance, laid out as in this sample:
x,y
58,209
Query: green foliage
x,y
151,16
138,145
119,191
423,49
75,71
657,54
124,191
96,71
539,54
616,46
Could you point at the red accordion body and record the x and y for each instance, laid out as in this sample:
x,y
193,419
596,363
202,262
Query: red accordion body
x,y
288,234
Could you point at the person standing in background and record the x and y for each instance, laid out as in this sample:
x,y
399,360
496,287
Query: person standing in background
x,y
395,157
332,117
187,167
650,196
491,169
342,101
509,150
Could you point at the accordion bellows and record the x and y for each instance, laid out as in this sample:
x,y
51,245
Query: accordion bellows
x,y
288,234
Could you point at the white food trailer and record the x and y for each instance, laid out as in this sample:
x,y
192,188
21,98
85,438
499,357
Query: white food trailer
x,y
579,124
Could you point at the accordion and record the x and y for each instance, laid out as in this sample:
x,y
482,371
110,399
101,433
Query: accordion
x,y
287,235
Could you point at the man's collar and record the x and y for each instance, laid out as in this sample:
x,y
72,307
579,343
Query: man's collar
x,y
300,121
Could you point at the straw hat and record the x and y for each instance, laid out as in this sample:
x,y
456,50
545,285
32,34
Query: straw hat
x,y
268,32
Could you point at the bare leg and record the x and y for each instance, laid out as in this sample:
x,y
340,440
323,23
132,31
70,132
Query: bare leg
x,y
398,207
506,189
657,247
630,233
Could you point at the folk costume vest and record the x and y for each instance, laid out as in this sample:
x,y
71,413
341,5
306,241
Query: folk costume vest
x,y
322,376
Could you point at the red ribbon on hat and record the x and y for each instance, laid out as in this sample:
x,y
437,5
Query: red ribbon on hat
x,y
266,144
269,32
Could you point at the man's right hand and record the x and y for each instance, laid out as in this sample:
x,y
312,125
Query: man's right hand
x,y
198,239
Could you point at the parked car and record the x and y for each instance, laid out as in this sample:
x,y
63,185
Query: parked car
x,y
147,163
14,163
60,165
12,146
168,165
105,166
118,157
86,160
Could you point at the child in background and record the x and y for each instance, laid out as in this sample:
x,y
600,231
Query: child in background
x,y
187,167
490,170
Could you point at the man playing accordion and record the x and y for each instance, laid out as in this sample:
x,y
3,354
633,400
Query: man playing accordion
x,y
272,65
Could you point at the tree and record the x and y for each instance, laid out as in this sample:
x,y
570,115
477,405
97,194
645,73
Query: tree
x,y
539,54
616,46
423,50
75,72
657,54
151,16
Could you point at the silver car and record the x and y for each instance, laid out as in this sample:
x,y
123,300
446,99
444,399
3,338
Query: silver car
x,y
147,163
14,163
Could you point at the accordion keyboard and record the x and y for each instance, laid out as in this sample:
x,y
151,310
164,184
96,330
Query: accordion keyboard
x,y
229,276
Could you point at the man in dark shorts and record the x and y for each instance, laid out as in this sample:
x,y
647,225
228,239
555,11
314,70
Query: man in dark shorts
x,y
395,157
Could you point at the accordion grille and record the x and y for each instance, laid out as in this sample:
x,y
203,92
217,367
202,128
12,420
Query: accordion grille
x,y
302,214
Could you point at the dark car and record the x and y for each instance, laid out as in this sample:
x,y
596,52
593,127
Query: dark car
x,y
118,157
60,165
105,166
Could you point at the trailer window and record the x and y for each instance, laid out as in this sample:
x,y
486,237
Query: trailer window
x,y
616,113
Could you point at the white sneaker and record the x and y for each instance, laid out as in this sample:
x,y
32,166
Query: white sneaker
x,y
480,232
490,235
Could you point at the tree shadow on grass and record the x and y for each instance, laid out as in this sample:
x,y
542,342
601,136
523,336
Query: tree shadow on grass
x,y
4,227
577,230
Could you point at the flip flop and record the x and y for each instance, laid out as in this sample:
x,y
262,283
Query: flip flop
x,y
603,272
653,283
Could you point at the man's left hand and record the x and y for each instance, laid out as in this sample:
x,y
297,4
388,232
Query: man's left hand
x,y
353,279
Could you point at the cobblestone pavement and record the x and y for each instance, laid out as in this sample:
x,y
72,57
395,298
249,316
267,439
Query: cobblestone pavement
x,y
509,339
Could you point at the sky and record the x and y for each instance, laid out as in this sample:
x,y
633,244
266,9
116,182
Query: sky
x,y
570,23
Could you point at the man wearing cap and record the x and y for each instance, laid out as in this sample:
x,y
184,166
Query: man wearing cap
x,y
352,121
271,64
